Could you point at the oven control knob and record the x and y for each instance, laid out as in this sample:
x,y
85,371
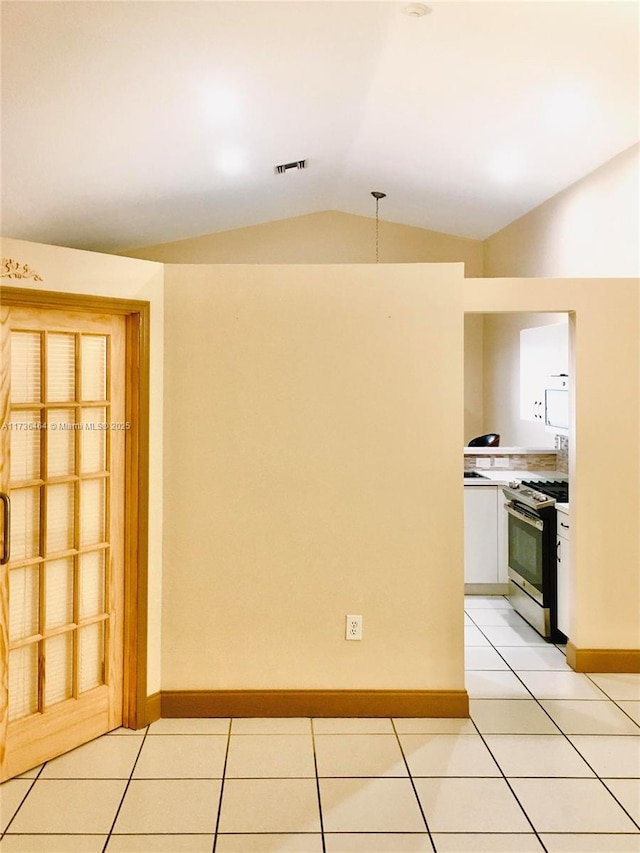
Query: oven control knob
x,y
514,484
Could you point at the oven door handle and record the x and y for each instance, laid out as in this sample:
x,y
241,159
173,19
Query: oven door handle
x,y
532,522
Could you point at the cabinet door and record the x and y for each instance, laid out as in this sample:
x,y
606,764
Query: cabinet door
x,y
544,352
480,535
503,531
563,554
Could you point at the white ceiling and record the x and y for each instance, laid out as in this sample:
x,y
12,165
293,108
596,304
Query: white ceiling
x,y
131,123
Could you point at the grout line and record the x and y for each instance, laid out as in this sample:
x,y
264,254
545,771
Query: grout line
x,y
224,776
187,734
413,784
491,753
21,803
611,699
315,741
564,734
535,698
516,673
315,764
524,812
598,776
615,702
124,793
611,794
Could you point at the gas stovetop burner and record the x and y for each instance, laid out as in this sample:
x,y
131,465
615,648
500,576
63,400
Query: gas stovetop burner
x,y
523,495
558,490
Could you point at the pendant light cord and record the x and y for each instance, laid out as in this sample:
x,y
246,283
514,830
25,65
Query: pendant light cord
x,y
378,196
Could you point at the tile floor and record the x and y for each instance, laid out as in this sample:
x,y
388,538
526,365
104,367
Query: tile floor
x,y
550,760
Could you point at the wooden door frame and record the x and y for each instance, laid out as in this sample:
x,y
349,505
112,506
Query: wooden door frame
x,y
136,545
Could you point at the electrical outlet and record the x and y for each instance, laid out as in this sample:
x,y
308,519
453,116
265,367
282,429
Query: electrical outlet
x,y
483,462
501,463
354,627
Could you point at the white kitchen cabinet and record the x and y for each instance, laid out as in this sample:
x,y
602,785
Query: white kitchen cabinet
x,y
503,541
485,545
563,562
544,352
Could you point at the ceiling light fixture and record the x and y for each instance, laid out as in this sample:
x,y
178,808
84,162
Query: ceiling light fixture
x,y
377,195
417,10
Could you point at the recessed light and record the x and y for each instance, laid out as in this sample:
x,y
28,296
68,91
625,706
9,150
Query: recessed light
x,y
417,10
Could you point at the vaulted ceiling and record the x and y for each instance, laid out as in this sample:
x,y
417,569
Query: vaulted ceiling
x,y
132,123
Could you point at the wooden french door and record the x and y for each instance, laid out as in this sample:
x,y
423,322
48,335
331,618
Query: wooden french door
x,y
62,477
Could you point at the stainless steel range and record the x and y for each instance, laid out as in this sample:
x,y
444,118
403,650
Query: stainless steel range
x,y
531,508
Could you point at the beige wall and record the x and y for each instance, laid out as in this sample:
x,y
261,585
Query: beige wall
x,y
590,229
309,413
300,489
319,238
603,455
73,271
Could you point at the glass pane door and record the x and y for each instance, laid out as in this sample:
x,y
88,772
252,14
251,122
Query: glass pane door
x,y
63,436
59,446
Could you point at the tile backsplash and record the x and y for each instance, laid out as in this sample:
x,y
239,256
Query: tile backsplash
x,y
562,453
517,461
551,460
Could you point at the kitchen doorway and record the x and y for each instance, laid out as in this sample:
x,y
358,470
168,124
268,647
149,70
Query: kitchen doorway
x,y
509,360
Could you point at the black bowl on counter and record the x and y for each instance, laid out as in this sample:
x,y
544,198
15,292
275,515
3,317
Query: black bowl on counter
x,y
491,439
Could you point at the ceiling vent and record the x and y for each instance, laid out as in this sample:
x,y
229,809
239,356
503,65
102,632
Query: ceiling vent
x,y
284,167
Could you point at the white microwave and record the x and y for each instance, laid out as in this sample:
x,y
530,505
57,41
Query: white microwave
x,y
556,404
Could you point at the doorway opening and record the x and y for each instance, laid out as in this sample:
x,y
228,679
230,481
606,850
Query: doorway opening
x,y
511,359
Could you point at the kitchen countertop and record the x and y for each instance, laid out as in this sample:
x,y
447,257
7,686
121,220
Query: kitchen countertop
x,y
502,477
507,451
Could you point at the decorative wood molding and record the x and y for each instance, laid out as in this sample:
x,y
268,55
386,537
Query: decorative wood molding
x,y
76,302
10,268
315,703
4,570
603,660
153,707
135,709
